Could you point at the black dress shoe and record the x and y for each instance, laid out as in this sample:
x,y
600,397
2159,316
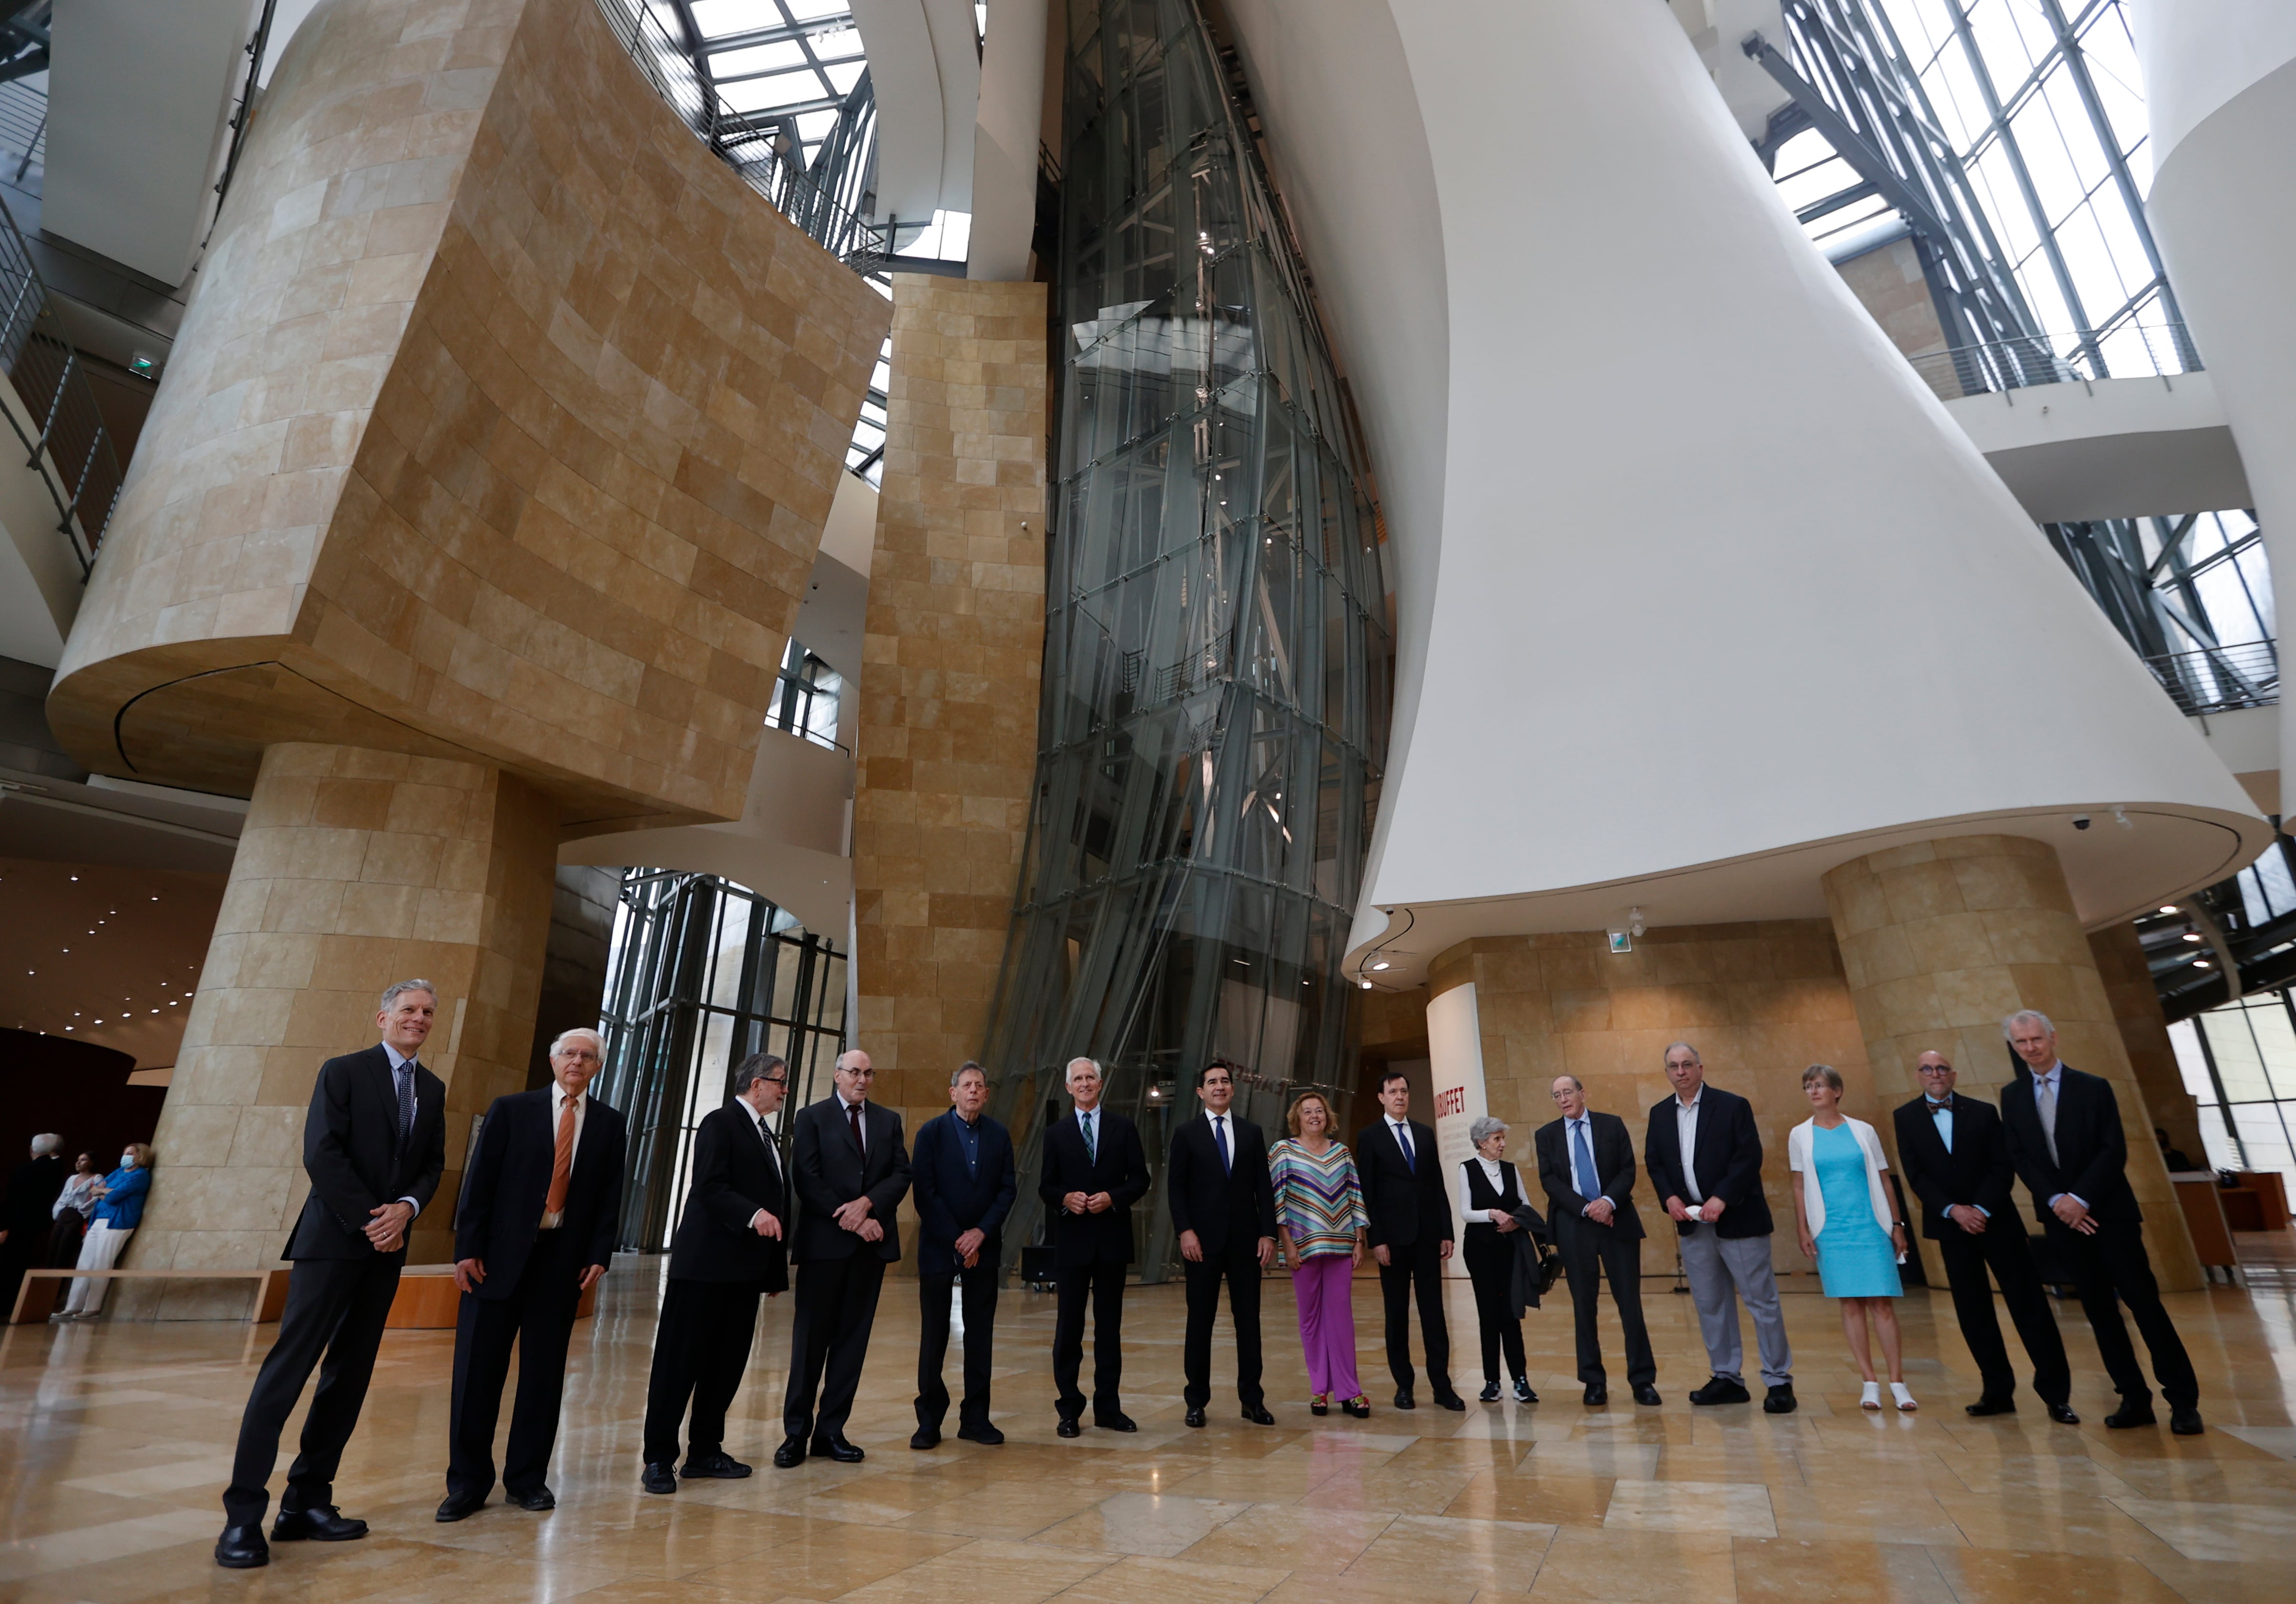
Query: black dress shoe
x,y
1647,1394
1984,1407
1257,1413
1067,1428
925,1436
720,1467
1596,1393
2139,1413
1195,1417
538,1500
1449,1400
321,1523
243,1548
837,1448
460,1506
659,1479
790,1454
2064,1415
1522,1393
1403,1399
1489,1394
1780,1399
1721,1389
2185,1420
1117,1421
982,1433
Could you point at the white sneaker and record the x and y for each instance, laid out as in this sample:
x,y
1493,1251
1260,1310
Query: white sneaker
x,y
1906,1404
1871,1396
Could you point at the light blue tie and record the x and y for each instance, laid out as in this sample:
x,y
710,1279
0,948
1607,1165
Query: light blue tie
x,y
1589,1188
1219,1141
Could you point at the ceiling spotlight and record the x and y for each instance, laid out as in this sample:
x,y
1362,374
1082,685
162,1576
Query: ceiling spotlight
x,y
1380,964
2192,936
1366,984
2172,908
2202,964
1635,925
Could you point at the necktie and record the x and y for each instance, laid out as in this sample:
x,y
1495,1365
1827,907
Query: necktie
x,y
1589,1188
1091,1142
773,1159
1219,1141
1403,1141
2046,1099
562,1164
853,1119
406,1100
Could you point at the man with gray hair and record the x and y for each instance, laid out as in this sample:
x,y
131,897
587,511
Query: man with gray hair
x,y
1094,1171
374,1144
24,1217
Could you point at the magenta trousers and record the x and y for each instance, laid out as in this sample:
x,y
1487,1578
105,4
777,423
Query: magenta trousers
x,y
1324,1286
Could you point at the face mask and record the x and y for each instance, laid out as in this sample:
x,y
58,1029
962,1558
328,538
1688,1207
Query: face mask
x,y
127,1161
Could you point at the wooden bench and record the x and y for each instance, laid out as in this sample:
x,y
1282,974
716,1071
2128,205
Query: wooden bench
x,y
427,1299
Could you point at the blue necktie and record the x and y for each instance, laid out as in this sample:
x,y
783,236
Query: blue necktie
x,y
1091,1147
1589,1188
1219,1141
1403,1141
406,1078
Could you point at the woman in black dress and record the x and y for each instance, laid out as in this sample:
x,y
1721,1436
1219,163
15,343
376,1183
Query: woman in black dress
x,y
1493,1191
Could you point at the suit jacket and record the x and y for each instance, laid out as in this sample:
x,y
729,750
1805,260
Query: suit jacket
x,y
1220,1204
507,1181
1977,1171
952,1198
735,1174
829,1172
352,1152
2092,1160
1121,1171
32,1193
1614,1170
1403,1203
1728,1160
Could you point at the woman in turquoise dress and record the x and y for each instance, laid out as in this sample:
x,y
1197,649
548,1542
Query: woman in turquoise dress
x,y
1841,1206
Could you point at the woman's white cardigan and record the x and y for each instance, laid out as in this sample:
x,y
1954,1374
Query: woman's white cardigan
x,y
1813,1195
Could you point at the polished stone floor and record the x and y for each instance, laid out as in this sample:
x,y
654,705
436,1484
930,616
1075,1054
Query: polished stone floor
x,y
114,1444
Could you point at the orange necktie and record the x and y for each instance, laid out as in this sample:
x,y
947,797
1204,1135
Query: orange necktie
x,y
561,1165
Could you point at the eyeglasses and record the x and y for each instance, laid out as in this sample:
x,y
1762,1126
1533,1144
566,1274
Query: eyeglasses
x,y
1935,1068
775,1080
859,1074
1559,1096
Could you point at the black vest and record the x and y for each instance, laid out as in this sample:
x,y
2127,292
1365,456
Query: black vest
x,y
1480,1197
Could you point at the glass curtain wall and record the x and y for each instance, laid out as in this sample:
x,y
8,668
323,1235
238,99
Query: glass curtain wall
x,y
2239,1062
703,972
1215,706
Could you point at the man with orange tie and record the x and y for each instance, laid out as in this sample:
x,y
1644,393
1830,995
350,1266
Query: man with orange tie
x,y
541,1199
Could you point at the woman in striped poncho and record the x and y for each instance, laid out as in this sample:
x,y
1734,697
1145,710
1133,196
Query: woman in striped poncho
x,y
1320,1224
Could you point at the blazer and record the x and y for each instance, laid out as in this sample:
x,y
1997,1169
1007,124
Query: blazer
x,y
829,1172
1121,1171
1221,1206
507,1181
2092,1160
353,1154
734,1174
1404,1202
1976,1172
1614,1170
1728,1161
32,1193
953,1197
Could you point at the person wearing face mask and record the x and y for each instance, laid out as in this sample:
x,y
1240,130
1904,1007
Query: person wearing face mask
x,y
118,1210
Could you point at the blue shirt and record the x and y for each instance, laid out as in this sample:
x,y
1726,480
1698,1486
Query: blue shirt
x,y
122,1207
968,1137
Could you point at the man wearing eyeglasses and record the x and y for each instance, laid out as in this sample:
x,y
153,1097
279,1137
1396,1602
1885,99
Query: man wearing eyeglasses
x,y
1586,1163
850,1170
730,1247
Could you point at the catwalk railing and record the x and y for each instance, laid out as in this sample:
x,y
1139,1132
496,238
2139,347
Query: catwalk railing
x,y
56,419
2130,351
2220,679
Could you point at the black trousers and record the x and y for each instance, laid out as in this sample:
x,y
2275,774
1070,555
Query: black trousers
x,y
2002,1247
539,1316
2112,1264
1490,1271
979,1295
1237,1264
836,1307
1102,1285
700,1347
1417,1268
335,1309
1592,1254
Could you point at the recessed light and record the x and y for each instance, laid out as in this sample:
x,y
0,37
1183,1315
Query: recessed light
x,y
2192,936
1380,964
2172,908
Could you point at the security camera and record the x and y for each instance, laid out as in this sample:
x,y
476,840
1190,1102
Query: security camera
x,y
2080,820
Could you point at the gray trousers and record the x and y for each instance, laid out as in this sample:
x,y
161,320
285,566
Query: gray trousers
x,y
1722,1270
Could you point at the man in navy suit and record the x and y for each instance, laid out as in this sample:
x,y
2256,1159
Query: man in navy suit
x,y
961,1167
374,1144
542,1197
1094,1171
1411,1236
1223,1206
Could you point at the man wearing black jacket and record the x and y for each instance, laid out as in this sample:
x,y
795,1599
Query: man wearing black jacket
x,y
26,1218
2064,1138
851,1170
374,1144
1586,1163
542,1197
1092,1172
1223,1206
1411,1236
962,1169
729,1247
1705,1160
1953,1157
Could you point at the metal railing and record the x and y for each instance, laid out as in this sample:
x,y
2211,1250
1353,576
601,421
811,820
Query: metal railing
x,y
2220,679
2131,350
72,451
23,128
745,143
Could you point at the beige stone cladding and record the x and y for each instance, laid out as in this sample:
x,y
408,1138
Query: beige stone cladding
x,y
1761,1002
1940,940
947,735
501,427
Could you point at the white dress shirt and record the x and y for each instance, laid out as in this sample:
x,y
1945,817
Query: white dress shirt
x,y
773,1154
398,1058
1401,1130
552,1222
1492,1174
1229,1128
1685,1125
2054,1079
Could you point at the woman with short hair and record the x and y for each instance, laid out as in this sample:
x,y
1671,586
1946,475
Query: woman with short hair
x,y
1320,1225
1493,1193
118,1210
1847,1217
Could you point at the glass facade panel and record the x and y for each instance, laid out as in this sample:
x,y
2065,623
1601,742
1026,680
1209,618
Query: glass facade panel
x,y
2239,1062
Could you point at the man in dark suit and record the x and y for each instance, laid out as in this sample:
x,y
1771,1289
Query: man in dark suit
x,y
851,1170
25,1219
1094,1171
1223,1206
2065,1139
1705,1160
542,1197
1411,1236
965,1184
729,1247
1951,1155
374,1144
1586,1163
